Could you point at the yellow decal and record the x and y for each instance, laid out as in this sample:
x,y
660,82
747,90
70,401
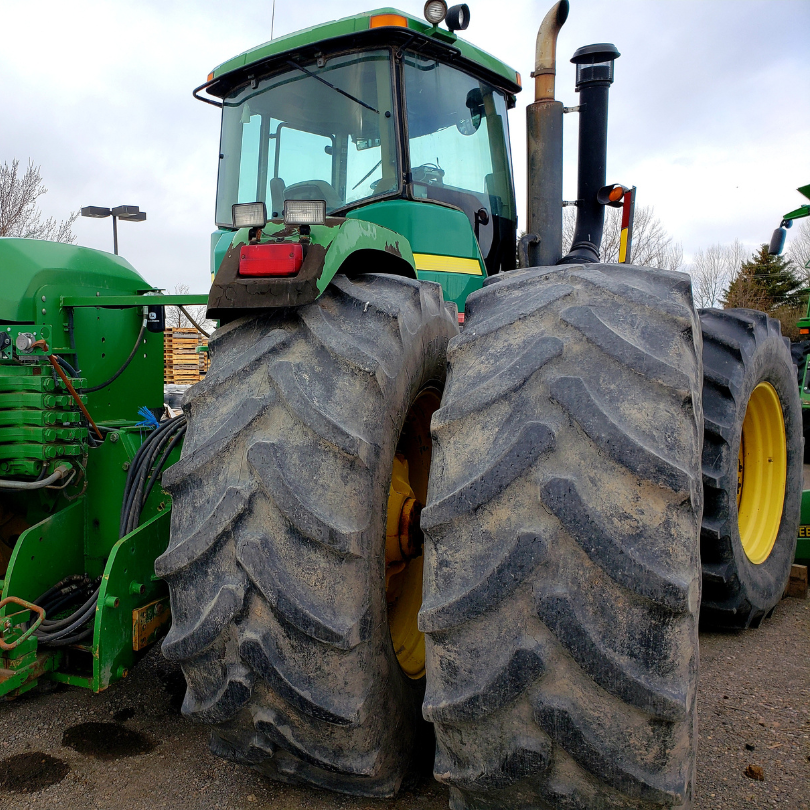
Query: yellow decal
x,y
446,264
148,621
804,531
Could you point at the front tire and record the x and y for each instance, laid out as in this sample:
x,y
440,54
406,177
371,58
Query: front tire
x,y
561,565
752,466
277,559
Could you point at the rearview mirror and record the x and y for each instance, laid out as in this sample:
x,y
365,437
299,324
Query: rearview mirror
x,y
475,104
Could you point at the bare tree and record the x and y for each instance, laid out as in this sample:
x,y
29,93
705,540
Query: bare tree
x,y
19,213
798,251
712,271
175,317
652,245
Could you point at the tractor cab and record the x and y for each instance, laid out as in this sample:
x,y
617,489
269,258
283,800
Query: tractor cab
x,y
384,119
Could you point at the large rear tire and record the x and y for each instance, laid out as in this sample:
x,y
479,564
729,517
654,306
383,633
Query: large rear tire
x,y
277,559
561,556
752,466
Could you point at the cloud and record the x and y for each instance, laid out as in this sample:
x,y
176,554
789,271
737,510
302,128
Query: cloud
x,y
707,111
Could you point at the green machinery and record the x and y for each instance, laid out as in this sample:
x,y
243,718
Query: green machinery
x,y
380,520
802,357
71,319
421,483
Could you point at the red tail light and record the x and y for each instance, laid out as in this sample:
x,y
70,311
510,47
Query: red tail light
x,y
278,259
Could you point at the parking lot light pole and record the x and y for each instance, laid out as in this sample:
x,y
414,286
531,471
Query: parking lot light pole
x,y
129,213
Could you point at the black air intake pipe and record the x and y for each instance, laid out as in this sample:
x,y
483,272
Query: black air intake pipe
x,y
594,77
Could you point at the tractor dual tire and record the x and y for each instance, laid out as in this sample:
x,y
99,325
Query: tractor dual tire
x,y
276,560
562,576
747,545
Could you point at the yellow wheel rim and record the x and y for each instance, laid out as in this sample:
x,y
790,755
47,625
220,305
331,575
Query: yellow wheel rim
x,y
762,472
403,537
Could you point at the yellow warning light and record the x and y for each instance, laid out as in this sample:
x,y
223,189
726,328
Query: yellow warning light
x,y
383,20
616,193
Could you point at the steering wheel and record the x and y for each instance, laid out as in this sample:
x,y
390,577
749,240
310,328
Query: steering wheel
x,y
430,174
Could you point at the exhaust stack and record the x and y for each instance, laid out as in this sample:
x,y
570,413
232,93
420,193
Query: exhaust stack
x,y
542,244
594,77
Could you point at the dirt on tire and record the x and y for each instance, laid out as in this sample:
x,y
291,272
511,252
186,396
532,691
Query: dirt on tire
x,y
275,563
562,574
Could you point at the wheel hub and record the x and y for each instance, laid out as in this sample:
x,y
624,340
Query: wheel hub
x,y
762,472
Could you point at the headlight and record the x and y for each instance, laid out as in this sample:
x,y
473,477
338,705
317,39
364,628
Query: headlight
x,y
249,215
435,11
304,212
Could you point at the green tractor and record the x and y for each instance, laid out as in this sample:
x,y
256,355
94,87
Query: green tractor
x,y
801,352
82,518
429,505
425,493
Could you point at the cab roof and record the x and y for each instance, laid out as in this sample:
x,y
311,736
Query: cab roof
x,y
378,27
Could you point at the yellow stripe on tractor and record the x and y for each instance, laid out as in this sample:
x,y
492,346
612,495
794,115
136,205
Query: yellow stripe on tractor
x,y
447,264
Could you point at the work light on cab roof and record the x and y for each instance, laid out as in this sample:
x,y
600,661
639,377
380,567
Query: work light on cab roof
x,y
457,17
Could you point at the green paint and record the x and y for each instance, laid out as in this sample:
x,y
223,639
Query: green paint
x,y
23,666
429,228
803,541
45,285
455,286
355,235
29,429
220,242
358,23
30,268
342,241
118,301
436,230
131,560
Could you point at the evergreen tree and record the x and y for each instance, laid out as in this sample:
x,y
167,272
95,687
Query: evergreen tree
x,y
766,282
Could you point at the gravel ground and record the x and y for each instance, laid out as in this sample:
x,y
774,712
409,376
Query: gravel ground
x,y
754,709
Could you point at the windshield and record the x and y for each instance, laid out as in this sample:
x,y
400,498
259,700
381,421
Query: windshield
x,y
311,133
459,151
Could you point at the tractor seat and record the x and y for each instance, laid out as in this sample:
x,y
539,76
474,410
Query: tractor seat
x,y
314,190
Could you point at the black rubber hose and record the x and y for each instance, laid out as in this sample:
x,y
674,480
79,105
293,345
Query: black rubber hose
x,y
159,466
123,368
66,366
64,642
141,467
135,471
51,627
142,450
137,498
70,580
57,604
194,323
53,633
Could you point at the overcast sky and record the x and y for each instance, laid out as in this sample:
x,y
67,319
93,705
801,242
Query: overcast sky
x,y
709,113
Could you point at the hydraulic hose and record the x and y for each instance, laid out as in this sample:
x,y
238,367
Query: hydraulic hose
x,y
60,472
193,322
66,366
123,367
144,472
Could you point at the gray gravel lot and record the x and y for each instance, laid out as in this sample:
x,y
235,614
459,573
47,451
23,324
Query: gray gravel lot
x,y
754,709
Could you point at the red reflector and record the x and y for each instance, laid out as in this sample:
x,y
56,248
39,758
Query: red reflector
x,y
461,317
279,259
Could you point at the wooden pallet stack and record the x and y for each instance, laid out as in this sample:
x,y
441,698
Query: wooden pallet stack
x,y
182,363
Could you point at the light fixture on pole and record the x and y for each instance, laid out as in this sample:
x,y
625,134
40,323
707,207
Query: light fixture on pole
x,y
129,213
